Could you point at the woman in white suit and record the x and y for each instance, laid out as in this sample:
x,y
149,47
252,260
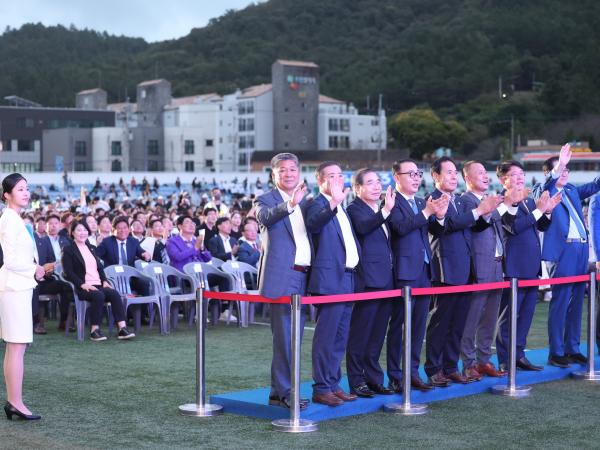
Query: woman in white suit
x,y
18,278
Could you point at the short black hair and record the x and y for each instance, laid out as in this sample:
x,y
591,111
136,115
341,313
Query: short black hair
x,y
549,164
208,209
505,166
153,221
181,218
359,175
397,166
74,225
117,220
52,216
436,166
324,165
221,220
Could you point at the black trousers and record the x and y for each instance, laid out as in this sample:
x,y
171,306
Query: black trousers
x,y
98,299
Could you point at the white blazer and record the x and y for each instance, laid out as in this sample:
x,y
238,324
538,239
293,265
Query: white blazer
x,y
19,250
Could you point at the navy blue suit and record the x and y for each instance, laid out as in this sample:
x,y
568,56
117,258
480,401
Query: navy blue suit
x,y
276,278
370,318
520,238
565,259
247,253
329,276
108,252
411,250
451,265
594,219
217,248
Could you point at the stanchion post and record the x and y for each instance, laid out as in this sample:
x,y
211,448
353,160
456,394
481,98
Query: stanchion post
x,y
200,408
511,389
295,424
406,408
591,374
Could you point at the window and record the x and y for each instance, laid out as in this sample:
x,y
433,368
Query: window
x,y
242,143
334,125
25,122
80,166
242,159
189,166
7,146
344,141
375,122
80,148
242,125
189,147
344,124
115,150
115,165
24,145
209,143
246,108
153,165
249,124
333,142
209,163
152,147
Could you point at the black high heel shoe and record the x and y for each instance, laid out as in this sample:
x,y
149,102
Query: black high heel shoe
x,y
11,411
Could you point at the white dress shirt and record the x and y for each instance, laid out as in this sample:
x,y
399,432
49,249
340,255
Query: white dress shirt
x,y
55,247
349,242
303,257
226,243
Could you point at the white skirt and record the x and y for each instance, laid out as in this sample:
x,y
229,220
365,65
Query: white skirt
x,y
16,323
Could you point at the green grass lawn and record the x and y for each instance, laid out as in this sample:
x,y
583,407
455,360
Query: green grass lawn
x,y
125,395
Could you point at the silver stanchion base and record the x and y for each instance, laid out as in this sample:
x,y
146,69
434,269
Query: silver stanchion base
x,y
413,409
294,426
208,410
586,376
507,391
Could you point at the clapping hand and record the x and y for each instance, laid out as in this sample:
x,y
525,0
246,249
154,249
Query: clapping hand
x,y
440,206
543,203
337,191
390,199
554,200
298,194
488,204
39,272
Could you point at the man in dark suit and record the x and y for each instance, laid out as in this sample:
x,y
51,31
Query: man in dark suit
x,y
223,246
157,233
284,263
370,319
249,251
337,253
566,252
410,220
521,238
123,249
487,251
49,285
450,266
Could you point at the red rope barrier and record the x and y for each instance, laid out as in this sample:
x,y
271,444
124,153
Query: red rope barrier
x,y
246,298
338,298
551,281
464,288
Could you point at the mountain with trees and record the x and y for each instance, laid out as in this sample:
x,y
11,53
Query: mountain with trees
x,y
473,64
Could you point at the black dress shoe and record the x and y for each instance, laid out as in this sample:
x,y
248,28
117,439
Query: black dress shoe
x,y
395,385
558,361
525,364
285,402
11,411
577,358
380,389
362,390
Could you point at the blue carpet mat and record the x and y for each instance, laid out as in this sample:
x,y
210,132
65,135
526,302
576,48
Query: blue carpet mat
x,y
254,403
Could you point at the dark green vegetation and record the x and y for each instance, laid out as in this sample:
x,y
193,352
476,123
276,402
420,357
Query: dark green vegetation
x,y
448,54
125,395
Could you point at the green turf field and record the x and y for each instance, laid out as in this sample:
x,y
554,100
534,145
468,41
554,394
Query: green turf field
x,y
115,395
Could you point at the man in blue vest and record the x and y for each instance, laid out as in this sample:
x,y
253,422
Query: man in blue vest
x,y
566,252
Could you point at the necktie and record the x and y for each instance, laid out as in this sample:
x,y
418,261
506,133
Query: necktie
x,y
254,246
123,254
413,205
574,216
163,254
499,248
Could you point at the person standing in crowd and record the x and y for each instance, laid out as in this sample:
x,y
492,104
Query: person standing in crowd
x,y
451,265
216,203
521,225
410,220
487,248
369,321
82,268
223,246
566,252
249,251
18,276
337,253
284,264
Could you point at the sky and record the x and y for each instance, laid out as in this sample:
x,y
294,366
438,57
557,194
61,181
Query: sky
x,y
153,20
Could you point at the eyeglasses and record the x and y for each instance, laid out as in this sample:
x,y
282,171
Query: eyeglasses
x,y
414,175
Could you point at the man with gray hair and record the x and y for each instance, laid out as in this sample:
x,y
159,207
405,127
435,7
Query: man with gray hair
x,y
284,264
